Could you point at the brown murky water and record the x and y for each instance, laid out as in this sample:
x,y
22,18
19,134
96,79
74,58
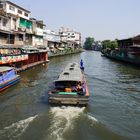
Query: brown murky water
x,y
113,112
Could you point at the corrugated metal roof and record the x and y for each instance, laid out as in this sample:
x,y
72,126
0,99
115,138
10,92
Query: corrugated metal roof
x,y
72,72
10,46
4,68
30,48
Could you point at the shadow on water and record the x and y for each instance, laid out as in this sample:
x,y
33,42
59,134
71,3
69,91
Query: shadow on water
x,y
44,98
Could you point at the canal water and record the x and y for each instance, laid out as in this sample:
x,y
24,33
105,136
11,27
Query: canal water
x,y
113,112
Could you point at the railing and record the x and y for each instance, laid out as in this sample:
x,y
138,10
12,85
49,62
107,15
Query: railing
x,y
6,41
39,31
29,31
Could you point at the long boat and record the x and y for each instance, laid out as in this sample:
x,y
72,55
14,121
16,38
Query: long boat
x,y
70,88
8,77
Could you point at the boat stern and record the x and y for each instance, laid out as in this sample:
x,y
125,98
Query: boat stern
x,y
68,100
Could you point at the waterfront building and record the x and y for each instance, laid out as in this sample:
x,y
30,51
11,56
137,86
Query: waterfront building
x,y
54,42
72,37
24,41
130,46
38,33
14,24
53,38
19,28
21,38
4,27
97,46
128,51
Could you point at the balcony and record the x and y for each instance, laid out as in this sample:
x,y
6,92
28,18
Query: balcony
x,y
29,31
39,31
4,28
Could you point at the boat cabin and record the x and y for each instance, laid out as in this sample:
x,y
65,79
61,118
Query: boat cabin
x,y
8,77
70,80
6,73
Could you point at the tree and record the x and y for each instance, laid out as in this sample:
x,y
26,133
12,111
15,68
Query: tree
x,y
109,44
88,45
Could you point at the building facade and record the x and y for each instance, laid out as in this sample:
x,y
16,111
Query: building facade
x,y
15,23
73,38
38,33
18,27
20,37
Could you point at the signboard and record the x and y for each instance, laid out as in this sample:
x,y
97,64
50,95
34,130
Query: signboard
x,y
10,59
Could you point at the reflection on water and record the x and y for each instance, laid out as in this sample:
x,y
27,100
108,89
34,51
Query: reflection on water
x,y
113,112
15,130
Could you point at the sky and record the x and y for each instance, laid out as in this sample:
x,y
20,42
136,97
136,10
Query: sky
x,y
101,19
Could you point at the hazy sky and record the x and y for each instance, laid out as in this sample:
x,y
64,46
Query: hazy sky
x,y
102,19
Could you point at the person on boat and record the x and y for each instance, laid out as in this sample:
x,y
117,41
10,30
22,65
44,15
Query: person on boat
x,y
83,89
79,87
74,89
81,64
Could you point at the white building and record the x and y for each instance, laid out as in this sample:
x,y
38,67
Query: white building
x,y
22,30
68,35
53,39
16,12
38,33
16,23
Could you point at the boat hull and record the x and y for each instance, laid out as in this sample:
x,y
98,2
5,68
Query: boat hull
x,y
9,83
68,99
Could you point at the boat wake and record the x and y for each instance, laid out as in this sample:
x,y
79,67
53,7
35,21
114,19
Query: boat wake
x,y
92,119
63,120
16,129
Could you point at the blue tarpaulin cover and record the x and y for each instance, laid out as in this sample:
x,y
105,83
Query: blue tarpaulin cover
x,y
7,76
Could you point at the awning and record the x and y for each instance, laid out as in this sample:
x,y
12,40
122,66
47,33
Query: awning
x,y
4,68
10,46
40,47
61,49
5,32
30,48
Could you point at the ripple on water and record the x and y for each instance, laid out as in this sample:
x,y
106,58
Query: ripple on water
x,y
15,130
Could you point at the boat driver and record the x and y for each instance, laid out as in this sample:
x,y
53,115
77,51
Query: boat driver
x,y
79,87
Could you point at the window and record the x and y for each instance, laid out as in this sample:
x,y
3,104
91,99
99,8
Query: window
x,y
40,26
25,14
12,8
72,36
1,5
20,12
14,21
4,22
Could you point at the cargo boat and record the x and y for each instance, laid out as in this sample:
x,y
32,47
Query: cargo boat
x,y
70,88
8,77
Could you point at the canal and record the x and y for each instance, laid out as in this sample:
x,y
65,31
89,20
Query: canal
x,y
113,112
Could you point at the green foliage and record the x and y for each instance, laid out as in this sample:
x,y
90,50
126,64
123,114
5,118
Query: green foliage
x,y
109,44
88,45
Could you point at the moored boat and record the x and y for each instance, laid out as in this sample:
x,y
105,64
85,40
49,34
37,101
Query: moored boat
x,y
70,88
8,77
